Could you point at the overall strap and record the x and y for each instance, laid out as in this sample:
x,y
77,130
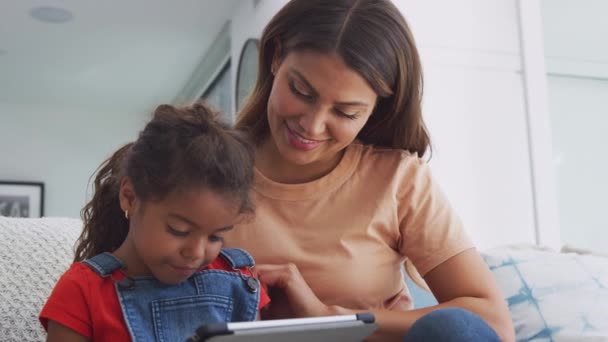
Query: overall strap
x,y
237,258
104,264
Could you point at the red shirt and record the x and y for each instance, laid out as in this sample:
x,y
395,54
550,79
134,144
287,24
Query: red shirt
x,y
88,304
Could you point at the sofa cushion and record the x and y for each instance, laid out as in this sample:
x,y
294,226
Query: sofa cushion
x,y
33,254
553,296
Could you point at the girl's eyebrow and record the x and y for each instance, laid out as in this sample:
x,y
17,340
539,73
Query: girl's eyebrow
x,y
224,229
191,223
313,90
183,219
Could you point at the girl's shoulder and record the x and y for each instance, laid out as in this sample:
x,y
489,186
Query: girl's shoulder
x,y
222,263
80,274
78,270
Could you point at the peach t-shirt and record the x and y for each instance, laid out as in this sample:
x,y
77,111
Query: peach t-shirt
x,y
350,231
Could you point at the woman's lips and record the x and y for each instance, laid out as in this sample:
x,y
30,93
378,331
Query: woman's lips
x,y
299,142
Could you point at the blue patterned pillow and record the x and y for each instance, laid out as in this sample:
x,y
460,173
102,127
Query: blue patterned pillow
x,y
553,296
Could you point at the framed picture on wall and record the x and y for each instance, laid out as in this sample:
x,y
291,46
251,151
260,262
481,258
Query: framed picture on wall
x,y
21,199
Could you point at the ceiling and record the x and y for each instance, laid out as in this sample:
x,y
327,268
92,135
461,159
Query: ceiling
x,y
127,54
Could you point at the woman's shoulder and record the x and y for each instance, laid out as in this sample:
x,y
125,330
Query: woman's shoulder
x,y
376,159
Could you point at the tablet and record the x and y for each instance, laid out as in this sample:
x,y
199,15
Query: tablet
x,y
318,329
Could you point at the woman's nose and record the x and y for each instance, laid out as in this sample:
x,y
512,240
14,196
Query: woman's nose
x,y
314,123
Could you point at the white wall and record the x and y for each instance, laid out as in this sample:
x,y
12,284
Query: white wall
x,y
475,109
474,106
576,35
62,148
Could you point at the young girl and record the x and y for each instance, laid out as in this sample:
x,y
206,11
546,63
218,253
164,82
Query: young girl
x,y
149,264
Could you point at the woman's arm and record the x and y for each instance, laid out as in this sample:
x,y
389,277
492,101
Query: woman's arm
x,y
60,333
463,281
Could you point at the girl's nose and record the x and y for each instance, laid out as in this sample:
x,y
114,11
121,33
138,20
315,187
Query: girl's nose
x,y
194,250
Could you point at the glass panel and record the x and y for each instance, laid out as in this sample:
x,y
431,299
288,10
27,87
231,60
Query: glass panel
x,y
577,63
579,121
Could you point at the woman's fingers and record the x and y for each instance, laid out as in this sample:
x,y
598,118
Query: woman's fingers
x,y
279,275
288,279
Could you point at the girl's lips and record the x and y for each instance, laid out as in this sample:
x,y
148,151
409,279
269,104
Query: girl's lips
x,y
299,142
185,270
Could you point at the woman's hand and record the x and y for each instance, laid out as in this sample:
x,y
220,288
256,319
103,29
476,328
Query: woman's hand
x,y
289,293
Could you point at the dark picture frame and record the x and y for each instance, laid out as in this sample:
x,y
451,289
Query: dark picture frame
x,y
21,199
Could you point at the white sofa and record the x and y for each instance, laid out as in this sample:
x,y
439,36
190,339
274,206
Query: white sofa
x,y
33,254
552,296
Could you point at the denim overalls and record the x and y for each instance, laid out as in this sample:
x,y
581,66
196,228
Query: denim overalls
x,y
154,311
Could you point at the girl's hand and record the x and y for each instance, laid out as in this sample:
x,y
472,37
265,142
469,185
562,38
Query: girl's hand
x,y
289,293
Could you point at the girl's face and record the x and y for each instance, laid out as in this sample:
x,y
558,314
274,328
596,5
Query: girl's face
x,y
317,107
173,238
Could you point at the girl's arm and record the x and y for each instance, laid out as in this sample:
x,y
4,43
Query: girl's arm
x,y
463,281
59,333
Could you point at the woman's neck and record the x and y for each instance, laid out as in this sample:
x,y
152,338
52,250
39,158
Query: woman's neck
x,y
272,165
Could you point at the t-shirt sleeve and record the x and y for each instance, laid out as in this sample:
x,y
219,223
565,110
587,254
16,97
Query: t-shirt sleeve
x,y
430,230
67,304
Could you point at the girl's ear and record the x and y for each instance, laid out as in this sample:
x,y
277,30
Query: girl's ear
x,y
126,195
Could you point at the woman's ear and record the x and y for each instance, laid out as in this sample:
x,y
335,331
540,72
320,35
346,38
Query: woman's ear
x,y
277,57
127,196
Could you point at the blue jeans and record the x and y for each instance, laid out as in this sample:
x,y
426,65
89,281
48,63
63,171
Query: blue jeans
x,y
451,325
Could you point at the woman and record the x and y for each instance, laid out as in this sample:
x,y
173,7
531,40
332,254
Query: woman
x,y
341,191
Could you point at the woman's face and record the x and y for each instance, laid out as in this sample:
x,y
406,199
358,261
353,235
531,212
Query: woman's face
x,y
317,107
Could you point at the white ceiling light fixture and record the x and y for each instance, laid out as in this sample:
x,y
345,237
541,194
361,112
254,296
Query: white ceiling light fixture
x,y
49,14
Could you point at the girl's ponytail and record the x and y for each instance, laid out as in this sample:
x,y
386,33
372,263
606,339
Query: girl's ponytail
x,y
105,225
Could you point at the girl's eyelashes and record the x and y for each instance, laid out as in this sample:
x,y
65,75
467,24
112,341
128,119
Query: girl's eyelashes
x,y
182,233
176,232
216,238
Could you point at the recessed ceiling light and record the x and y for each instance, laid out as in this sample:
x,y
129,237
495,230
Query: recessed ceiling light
x,y
51,14
3,52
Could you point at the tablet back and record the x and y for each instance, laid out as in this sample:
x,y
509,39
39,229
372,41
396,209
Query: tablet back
x,y
319,329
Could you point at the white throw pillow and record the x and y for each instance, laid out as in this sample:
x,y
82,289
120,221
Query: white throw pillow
x,y
553,296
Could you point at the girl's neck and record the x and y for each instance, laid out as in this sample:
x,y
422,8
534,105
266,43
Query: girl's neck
x,y
133,265
272,165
